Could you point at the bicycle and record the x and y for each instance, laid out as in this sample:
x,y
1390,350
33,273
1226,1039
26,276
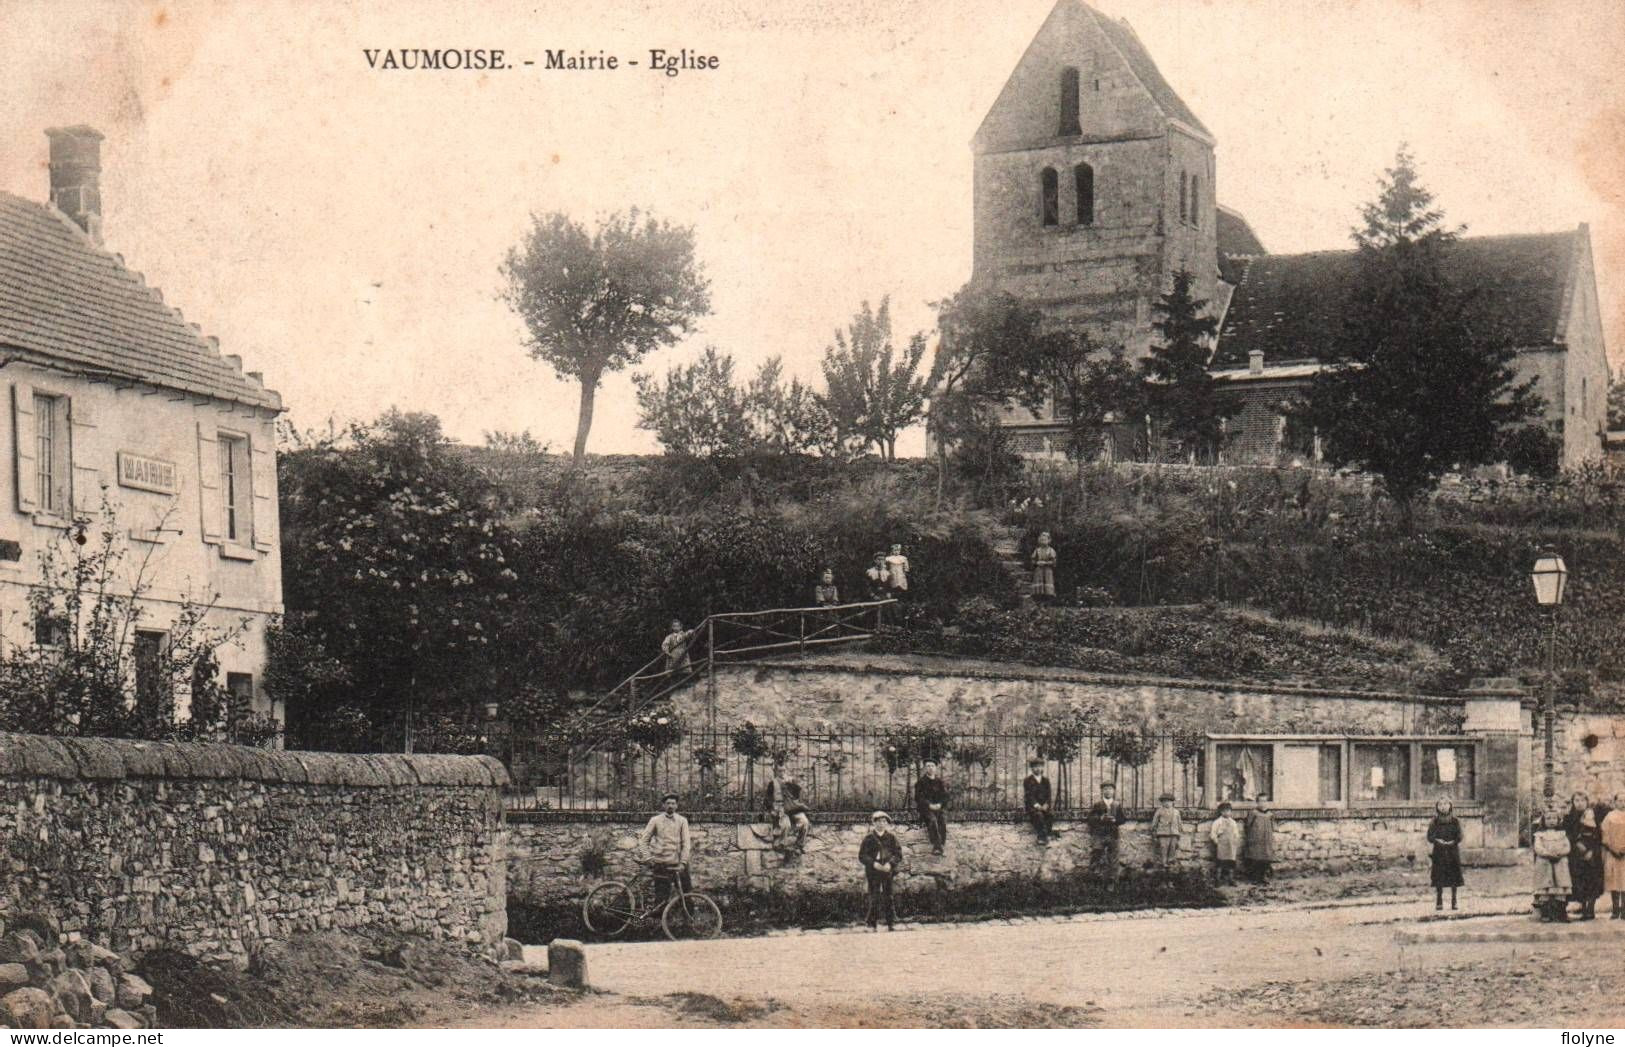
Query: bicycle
x,y
614,905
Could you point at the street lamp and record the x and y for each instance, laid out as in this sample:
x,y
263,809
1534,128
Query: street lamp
x,y
1549,576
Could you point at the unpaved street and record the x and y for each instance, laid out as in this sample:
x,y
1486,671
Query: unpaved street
x,y
1118,970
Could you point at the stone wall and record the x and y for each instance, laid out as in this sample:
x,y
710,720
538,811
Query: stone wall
x,y
215,849
1590,754
867,688
545,850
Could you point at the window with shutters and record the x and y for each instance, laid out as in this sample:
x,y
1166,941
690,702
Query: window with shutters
x,y
53,467
236,496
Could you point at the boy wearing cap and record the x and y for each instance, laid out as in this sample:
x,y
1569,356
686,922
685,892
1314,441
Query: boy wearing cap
x,y
880,854
1166,828
667,843
1037,797
1106,818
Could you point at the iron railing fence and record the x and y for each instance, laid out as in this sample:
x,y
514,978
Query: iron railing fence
x,y
842,768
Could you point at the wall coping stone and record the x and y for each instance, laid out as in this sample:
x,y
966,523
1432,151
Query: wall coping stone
x,y
1016,671
112,759
857,818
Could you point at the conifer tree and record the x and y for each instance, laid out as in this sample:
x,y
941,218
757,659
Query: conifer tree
x,y
1186,403
1407,394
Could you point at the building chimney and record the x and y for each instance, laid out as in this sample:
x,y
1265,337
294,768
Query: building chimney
x,y
1255,362
76,176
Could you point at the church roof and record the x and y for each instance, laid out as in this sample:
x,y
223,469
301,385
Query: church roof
x,y
1289,307
63,300
1127,42
1237,242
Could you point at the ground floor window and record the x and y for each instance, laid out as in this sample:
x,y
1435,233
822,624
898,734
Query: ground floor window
x,y
151,678
1246,772
1308,771
1447,772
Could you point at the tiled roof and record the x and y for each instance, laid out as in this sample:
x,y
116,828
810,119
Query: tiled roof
x,y
1291,306
67,301
1236,238
1123,37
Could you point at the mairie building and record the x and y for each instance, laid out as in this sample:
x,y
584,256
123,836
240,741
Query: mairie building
x,y
117,403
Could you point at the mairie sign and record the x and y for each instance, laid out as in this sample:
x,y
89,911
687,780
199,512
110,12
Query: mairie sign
x,y
147,474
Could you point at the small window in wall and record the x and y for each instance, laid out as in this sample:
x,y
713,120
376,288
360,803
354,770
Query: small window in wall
x,y
1448,773
152,691
1245,772
235,497
52,464
50,631
1069,103
1084,179
1381,773
1050,185
1184,206
1196,200
241,688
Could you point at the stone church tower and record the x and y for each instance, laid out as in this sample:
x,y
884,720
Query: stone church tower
x,y
1094,183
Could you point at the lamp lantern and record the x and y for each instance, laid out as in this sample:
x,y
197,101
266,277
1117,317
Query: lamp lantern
x,y
1549,576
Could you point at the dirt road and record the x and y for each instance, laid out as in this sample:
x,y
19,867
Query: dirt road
x,y
1117,970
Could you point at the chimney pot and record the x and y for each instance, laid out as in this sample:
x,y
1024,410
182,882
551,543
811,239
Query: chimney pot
x,y
1255,362
76,176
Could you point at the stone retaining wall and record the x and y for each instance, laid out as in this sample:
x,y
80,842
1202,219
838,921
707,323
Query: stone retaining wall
x,y
855,687
1590,755
545,850
214,849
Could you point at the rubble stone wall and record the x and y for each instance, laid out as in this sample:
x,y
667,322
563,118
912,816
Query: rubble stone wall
x,y
546,849
1589,752
882,689
214,849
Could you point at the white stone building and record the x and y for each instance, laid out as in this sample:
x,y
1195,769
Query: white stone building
x,y
114,398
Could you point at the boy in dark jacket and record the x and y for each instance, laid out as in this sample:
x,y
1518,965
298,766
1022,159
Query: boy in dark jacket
x,y
1106,818
880,854
1037,796
930,797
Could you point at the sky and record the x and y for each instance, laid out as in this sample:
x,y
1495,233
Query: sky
x,y
341,227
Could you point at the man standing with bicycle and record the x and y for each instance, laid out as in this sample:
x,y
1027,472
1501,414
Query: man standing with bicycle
x,y
666,841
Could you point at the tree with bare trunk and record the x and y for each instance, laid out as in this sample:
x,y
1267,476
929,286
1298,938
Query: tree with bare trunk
x,y
598,302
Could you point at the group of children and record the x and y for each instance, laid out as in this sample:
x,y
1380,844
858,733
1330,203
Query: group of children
x,y
887,577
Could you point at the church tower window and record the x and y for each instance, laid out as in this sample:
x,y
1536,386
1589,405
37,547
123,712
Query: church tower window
x,y
1084,177
1069,103
1184,207
1050,183
1196,200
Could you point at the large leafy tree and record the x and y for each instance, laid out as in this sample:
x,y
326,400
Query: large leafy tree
x,y
873,391
1185,401
984,362
596,303
1409,394
395,568
1091,386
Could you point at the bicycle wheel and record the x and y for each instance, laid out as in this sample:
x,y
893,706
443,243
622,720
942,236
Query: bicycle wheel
x,y
691,915
609,908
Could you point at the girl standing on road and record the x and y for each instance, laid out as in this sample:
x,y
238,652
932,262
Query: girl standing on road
x,y
1552,884
1444,834
1585,860
1226,837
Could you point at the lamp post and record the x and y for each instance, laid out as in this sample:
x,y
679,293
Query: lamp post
x,y
1549,576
